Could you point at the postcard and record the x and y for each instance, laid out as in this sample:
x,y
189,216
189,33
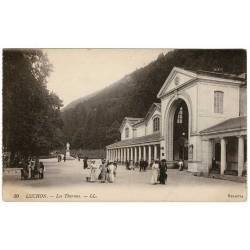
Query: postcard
x,y
93,125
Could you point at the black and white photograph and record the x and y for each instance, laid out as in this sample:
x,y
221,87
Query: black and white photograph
x,y
94,125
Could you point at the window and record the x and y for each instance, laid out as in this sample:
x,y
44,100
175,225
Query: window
x,y
156,124
180,116
126,132
218,101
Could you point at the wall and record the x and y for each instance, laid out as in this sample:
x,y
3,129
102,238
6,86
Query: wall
x,y
127,125
243,101
140,130
149,125
206,115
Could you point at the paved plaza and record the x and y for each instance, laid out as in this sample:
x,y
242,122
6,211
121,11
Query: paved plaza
x,y
66,181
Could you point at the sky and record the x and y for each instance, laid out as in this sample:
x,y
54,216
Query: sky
x,y
80,72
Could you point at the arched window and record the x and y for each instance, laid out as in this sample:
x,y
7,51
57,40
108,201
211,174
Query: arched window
x,y
180,116
218,102
126,132
156,124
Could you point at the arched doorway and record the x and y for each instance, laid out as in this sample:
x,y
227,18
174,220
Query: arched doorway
x,y
177,130
180,133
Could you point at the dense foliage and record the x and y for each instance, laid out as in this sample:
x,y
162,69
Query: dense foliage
x,y
31,114
94,122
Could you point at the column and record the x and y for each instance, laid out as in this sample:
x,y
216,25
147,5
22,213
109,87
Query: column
x,y
223,156
207,155
136,159
139,153
128,158
124,154
155,152
240,155
144,153
131,154
121,155
149,154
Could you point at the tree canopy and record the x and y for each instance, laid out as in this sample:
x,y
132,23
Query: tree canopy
x,y
31,113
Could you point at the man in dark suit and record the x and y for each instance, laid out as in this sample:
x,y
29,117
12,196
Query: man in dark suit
x,y
141,164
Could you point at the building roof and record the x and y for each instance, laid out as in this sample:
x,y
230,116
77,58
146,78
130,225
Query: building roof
x,y
130,120
152,108
202,74
231,124
138,140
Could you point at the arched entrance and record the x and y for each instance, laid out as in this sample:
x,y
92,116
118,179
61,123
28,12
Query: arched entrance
x,y
180,132
177,130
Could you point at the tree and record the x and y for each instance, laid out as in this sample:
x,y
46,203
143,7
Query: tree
x,y
31,114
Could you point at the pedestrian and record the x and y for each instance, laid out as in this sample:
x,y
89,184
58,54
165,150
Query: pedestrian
x,y
181,165
145,165
104,170
155,172
111,169
115,169
85,162
92,171
29,170
36,168
127,165
32,169
64,158
163,171
41,170
141,164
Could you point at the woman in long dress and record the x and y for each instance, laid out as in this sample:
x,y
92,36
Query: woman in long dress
x,y
92,172
104,170
155,172
111,169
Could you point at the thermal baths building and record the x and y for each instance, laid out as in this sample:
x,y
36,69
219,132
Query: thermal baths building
x,y
201,116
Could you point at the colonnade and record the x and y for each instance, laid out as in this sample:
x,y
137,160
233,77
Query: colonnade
x,y
134,153
223,164
207,152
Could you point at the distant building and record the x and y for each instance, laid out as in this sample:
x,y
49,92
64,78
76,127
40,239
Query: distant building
x,y
201,119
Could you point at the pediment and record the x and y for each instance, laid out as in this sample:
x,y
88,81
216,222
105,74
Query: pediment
x,y
154,110
177,77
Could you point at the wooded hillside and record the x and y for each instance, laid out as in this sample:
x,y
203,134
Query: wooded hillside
x,y
94,123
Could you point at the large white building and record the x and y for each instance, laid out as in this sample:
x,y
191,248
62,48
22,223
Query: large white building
x,y
201,118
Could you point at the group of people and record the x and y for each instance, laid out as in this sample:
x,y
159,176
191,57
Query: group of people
x,y
60,158
159,172
107,171
32,169
143,165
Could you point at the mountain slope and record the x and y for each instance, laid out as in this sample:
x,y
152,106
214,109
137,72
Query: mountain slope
x,y
94,122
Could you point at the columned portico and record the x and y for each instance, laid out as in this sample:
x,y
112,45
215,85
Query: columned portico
x,y
224,152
